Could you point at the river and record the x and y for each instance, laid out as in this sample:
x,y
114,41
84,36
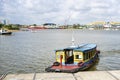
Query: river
x,y
27,52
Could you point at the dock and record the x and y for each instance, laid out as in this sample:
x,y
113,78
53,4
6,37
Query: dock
x,y
85,75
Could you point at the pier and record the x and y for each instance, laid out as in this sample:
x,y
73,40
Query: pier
x,y
85,75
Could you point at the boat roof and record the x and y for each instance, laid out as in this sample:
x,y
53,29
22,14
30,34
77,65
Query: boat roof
x,y
81,47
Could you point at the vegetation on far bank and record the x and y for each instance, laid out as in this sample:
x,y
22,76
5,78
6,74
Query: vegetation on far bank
x,y
18,26
10,27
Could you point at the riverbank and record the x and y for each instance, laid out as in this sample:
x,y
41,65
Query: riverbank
x,y
13,30
86,75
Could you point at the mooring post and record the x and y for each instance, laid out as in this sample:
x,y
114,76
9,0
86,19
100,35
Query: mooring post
x,y
61,57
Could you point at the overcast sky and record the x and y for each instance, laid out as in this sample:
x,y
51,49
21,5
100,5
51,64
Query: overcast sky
x,y
59,11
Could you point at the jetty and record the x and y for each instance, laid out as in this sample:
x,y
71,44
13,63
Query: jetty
x,y
85,75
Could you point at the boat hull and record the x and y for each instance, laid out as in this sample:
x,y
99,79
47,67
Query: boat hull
x,y
6,33
73,68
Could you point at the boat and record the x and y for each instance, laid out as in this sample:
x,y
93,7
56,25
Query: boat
x,y
4,32
75,58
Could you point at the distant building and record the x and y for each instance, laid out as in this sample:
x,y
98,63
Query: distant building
x,y
50,25
96,25
36,27
1,21
107,25
5,22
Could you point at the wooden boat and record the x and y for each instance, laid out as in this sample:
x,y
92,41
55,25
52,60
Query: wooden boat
x,y
74,58
4,32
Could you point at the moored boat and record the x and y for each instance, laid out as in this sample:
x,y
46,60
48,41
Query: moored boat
x,y
4,32
74,58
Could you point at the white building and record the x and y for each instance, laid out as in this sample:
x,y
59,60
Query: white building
x,y
50,25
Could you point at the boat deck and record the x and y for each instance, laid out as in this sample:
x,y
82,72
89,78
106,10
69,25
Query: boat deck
x,y
64,67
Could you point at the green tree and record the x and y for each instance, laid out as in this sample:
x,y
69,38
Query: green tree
x,y
8,27
11,27
34,24
76,26
1,25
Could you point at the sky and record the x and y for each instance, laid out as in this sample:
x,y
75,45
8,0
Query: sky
x,y
59,11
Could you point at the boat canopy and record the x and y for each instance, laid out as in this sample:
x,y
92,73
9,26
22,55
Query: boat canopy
x,y
82,47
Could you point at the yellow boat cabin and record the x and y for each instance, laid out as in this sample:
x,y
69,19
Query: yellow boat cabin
x,y
76,55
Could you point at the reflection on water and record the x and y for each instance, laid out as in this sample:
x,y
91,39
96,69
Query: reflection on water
x,y
26,52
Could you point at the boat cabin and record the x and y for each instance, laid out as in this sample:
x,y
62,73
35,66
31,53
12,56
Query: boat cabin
x,y
75,55
74,58
4,32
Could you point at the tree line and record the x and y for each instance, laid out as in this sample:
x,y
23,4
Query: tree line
x,y
10,27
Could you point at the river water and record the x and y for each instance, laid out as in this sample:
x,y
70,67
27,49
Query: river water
x,y
26,52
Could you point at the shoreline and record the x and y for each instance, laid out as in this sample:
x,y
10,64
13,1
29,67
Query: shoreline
x,y
13,30
87,75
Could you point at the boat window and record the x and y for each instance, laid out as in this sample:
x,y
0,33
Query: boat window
x,y
78,56
85,56
94,50
69,53
89,55
92,53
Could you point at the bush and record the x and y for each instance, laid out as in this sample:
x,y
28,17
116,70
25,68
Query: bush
x,y
1,25
11,27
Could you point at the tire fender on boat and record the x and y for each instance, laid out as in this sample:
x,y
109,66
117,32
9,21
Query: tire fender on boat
x,y
98,51
56,64
80,64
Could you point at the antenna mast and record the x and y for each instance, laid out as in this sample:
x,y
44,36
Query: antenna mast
x,y
73,40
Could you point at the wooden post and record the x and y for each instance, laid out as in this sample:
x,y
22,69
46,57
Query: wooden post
x,y
61,57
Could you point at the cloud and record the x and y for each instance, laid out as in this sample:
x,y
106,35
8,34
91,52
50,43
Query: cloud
x,y
59,11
